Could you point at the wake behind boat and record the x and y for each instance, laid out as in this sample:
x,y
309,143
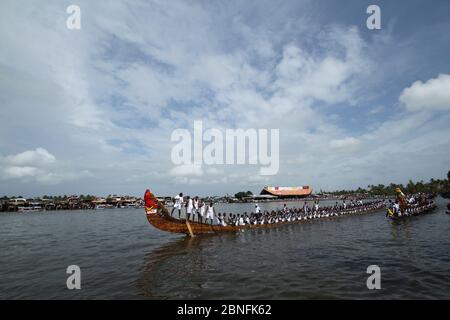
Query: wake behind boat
x,y
160,218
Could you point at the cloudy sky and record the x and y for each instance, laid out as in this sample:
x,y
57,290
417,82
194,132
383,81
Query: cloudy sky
x,y
93,110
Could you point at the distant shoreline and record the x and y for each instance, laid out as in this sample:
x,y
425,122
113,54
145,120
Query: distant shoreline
x,y
23,205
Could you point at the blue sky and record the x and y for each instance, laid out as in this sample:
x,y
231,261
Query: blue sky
x,y
92,110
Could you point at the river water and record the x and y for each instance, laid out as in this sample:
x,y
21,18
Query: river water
x,y
122,257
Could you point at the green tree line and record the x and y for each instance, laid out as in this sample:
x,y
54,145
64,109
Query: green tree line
x,y
243,194
434,186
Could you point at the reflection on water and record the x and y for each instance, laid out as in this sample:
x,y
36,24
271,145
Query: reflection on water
x,y
150,273
401,229
121,256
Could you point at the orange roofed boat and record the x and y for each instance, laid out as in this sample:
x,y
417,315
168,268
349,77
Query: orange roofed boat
x,y
287,192
159,217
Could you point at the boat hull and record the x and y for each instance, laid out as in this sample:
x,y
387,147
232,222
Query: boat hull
x,y
161,219
425,211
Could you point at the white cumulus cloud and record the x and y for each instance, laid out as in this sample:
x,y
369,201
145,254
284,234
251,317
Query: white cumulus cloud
x,y
19,172
431,95
37,165
37,157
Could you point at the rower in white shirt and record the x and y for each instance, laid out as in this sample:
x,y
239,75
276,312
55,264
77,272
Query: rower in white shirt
x,y
195,212
210,212
316,207
178,203
202,210
189,208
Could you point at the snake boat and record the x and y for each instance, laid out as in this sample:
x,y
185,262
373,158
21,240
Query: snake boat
x,y
159,217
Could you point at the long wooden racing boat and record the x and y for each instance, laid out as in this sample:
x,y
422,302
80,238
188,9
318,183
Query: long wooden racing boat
x,y
424,209
160,218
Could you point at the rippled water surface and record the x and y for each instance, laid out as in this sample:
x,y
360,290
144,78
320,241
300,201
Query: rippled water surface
x,y
121,256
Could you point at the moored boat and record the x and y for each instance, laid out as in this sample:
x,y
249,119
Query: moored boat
x,y
23,209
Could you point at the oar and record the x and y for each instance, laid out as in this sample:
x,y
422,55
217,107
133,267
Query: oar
x,y
189,228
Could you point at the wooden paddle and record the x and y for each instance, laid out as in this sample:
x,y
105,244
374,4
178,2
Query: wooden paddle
x,y
189,228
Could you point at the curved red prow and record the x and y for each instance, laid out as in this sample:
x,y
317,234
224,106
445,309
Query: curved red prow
x,y
150,201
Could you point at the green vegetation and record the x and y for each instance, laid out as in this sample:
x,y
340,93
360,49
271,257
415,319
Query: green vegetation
x,y
434,186
243,194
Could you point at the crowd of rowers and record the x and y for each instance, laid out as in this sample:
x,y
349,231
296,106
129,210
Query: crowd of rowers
x,y
414,204
205,212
